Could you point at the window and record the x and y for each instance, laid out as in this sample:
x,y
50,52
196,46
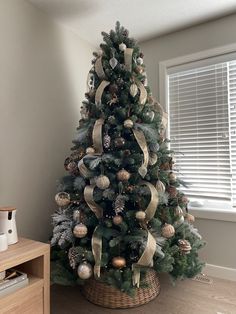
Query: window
x,y
202,127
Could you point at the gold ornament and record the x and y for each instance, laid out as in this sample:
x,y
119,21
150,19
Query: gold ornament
x,y
90,150
167,231
140,215
123,175
178,211
172,176
80,230
62,199
133,90
190,218
118,262
152,159
84,271
128,124
117,220
122,47
184,246
102,182
160,186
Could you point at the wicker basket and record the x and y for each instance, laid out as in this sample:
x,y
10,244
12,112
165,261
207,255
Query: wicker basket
x,y
104,295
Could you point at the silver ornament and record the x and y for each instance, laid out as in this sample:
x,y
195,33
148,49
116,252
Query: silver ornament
x,y
122,47
84,271
113,62
140,61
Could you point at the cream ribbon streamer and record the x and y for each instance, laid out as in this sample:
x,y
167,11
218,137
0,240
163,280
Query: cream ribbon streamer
x,y
140,138
100,90
97,136
88,196
99,68
143,92
84,171
97,252
128,54
146,259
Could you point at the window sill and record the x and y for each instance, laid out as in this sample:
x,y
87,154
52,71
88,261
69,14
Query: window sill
x,y
214,214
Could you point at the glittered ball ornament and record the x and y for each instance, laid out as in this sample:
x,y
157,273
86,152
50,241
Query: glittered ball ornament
x,y
80,230
102,182
90,150
190,218
119,142
117,220
128,124
118,262
123,175
84,271
168,231
122,47
140,215
62,199
184,246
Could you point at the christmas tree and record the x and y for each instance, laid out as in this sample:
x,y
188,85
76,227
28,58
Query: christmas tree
x,y
121,209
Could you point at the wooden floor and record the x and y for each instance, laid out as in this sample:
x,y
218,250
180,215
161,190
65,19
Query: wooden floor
x,y
187,297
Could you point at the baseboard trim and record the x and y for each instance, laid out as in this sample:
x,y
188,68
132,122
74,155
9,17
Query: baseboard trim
x,y
220,272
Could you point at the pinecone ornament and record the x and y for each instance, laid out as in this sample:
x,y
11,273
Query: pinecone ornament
x,y
106,141
72,255
119,204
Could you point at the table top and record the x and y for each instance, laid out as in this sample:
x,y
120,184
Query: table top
x,y
21,252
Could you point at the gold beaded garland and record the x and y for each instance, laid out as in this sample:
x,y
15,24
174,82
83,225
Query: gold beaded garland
x,y
62,199
80,230
118,262
168,231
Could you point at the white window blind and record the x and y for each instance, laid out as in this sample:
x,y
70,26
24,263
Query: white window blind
x,y
202,129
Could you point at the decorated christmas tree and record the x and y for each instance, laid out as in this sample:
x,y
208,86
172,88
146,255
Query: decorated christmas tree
x,y
121,209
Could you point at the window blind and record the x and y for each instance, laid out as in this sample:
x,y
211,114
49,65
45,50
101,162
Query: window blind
x,y
199,128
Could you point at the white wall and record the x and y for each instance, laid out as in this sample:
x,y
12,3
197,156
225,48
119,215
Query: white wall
x,y
220,235
43,70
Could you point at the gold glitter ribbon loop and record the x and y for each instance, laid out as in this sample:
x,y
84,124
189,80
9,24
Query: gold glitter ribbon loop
x,y
84,171
100,90
97,136
128,54
152,206
97,252
88,196
99,68
141,140
143,93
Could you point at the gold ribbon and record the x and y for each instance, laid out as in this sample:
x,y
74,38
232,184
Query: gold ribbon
x,y
97,136
97,252
152,206
99,91
84,171
99,68
88,196
128,54
141,140
146,259
143,92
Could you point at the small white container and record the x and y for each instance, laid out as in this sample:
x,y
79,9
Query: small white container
x,y
3,242
8,224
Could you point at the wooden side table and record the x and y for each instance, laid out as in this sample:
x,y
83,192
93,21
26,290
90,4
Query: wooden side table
x,y
33,258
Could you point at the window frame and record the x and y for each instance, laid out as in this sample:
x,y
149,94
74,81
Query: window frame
x,y
209,210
